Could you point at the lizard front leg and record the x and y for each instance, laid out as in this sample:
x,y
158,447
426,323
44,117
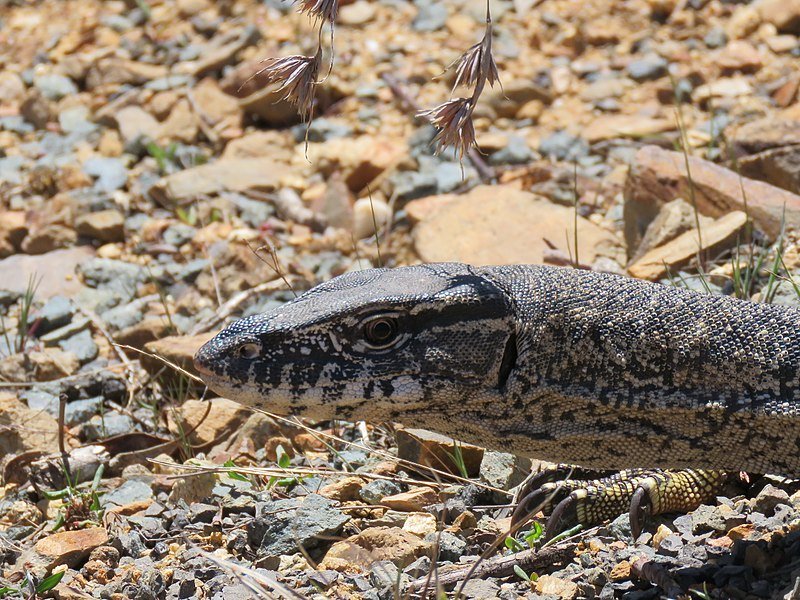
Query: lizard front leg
x,y
569,497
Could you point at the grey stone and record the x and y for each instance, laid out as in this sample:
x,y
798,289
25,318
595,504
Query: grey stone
x,y
449,175
409,185
563,146
480,589
670,545
38,399
201,513
111,173
129,492
179,234
516,152
769,498
55,313
715,38
54,86
67,331
123,316
322,130
81,345
451,547
707,518
282,526
376,490
108,425
11,169
81,411
129,544
504,471
649,68
16,124
76,120
620,528
252,212
431,16
117,276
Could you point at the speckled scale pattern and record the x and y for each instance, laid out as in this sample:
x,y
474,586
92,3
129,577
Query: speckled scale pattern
x,y
609,372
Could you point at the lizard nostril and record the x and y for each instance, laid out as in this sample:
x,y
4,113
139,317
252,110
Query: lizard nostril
x,y
201,362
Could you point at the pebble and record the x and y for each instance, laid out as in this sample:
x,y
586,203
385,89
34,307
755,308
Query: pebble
x,y
648,68
55,87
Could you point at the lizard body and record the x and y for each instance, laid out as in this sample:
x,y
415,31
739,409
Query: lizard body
x,y
559,364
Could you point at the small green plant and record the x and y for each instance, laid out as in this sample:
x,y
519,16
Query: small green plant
x,y
188,217
81,506
514,545
166,158
234,474
45,585
284,462
525,576
458,459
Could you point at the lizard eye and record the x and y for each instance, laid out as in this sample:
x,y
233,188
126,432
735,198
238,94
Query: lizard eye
x,y
248,351
381,332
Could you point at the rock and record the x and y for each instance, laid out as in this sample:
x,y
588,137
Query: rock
x,y
367,213
548,584
784,14
739,55
724,87
23,429
55,272
223,419
62,548
512,232
221,111
221,51
107,425
176,349
111,173
55,87
649,68
510,101
431,16
359,12
55,313
715,38
504,471
658,176
450,546
413,500
606,127
360,160
81,346
46,237
13,230
226,174
181,125
480,589
564,146
421,524
129,492
81,411
136,125
721,234
282,526
117,276
343,490
769,498
673,219
12,88
116,71
430,449
778,166
764,134
515,152
707,518
103,225
178,234
375,491
357,553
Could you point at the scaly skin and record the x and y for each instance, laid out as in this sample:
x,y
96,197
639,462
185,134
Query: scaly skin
x,y
563,365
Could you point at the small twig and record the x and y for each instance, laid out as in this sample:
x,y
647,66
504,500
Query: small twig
x,y
655,573
485,172
502,566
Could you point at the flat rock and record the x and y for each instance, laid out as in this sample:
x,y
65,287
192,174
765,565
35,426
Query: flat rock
x,y
23,429
178,349
674,218
430,449
359,552
502,225
223,419
227,174
360,159
62,548
658,176
104,225
720,234
55,272
606,127
411,501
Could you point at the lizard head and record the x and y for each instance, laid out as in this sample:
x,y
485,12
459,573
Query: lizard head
x,y
377,344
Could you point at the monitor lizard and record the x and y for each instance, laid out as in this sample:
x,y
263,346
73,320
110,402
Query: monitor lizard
x,y
571,366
